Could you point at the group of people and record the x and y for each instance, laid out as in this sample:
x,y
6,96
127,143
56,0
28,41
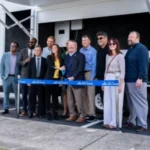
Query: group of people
x,y
105,63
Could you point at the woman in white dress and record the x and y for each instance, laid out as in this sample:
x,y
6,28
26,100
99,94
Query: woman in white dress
x,y
115,66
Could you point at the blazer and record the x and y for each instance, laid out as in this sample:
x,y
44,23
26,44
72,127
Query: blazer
x,y
76,68
24,66
5,65
51,67
32,68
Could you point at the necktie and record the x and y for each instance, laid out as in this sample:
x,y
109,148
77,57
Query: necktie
x,y
30,53
38,67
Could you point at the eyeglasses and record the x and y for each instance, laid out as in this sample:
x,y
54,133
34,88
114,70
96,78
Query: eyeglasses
x,y
100,38
112,44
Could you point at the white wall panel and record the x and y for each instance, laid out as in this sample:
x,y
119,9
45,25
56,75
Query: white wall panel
x,y
90,9
13,6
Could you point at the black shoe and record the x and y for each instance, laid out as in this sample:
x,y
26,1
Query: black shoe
x,y
55,115
31,115
91,119
65,116
6,111
128,125
141,129
49,116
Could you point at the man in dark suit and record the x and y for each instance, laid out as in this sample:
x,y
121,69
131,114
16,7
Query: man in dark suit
x,y
24,59
74,65
37,70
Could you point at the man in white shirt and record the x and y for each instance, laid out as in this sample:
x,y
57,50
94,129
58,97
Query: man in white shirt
x,y
48,50
24,59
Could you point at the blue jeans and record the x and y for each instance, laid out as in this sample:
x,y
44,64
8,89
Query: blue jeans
x,y
24,96
10,81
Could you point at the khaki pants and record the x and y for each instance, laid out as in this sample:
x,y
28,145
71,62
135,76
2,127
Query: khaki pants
x,y
89,97
75,96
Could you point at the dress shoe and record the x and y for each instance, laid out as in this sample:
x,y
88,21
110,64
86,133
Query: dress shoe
x,y
91,119
55,115
23,114
41,116
129,125
65,115
112,127
106,126
31,116
141,129
80,120
72,118
34,114
6,111
49,116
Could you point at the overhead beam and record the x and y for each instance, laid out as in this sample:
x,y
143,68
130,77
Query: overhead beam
x,y
13,25
16,21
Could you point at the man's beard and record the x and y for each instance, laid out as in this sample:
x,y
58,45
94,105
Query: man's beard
x,y
32,47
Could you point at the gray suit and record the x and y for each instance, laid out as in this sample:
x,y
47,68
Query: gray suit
x,y
8,80
24,74
24,66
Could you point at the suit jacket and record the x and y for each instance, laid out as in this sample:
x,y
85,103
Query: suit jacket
x,y
5,65
76,68
32,68
24,66
51,67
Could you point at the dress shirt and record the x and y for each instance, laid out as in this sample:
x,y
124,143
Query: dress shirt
x,y
39,63
13,58
90,54
46,51
29,52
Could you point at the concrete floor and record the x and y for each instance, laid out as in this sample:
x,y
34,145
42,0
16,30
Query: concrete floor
x,y
38,134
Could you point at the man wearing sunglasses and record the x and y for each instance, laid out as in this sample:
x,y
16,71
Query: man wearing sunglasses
x,y
102,39
24,59
9,72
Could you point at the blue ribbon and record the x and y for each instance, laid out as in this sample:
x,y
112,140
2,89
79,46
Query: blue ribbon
x,y
66,82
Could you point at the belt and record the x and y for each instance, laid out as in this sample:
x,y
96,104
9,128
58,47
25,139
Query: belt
x,y
11,75
113,72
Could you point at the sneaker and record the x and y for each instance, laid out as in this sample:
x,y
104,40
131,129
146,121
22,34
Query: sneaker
x,y
91,119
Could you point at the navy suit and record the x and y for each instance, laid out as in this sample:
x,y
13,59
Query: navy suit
x,y
75,68
37,90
